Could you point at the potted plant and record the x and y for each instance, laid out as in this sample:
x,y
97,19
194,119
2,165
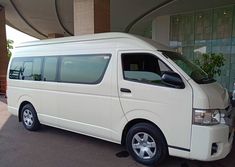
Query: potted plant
x,y
211,63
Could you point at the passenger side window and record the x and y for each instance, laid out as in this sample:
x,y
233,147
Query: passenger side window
x,y
143,67
37,69
16,68
87,69
50,68
26,69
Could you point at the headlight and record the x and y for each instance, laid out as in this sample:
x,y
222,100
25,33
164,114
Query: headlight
x,y
206,117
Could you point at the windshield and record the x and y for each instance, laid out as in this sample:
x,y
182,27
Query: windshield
x,y
195,72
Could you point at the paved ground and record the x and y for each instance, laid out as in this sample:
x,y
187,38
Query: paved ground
x,y
51,147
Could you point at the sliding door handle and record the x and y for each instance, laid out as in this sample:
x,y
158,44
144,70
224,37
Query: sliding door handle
x,y
125,90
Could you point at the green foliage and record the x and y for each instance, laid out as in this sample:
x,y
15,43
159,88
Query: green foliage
x,y
9,47
211,63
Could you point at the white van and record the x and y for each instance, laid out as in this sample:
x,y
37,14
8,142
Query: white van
x,y
124,89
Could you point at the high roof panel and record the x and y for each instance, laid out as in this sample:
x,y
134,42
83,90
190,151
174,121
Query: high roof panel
x,y
119,38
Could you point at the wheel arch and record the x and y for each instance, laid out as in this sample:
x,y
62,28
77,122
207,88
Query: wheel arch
x,y
22,104
24,100
135,121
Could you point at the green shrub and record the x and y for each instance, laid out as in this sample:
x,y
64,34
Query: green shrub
x,y
9,47
211,63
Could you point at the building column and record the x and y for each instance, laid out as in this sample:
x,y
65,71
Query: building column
x,y
3,51
91,16
161,30
55,35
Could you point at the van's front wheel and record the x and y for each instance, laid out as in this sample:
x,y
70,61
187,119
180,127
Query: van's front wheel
x,y
146,144
29,118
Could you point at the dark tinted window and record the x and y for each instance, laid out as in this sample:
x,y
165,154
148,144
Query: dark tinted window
x,y
26,69
142,67
74,69
16,68
83,69
37,69
50,68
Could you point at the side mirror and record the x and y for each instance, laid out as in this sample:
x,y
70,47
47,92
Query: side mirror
x,y
172,79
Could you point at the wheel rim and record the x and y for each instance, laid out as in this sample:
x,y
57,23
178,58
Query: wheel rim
x,y
144,145
28,117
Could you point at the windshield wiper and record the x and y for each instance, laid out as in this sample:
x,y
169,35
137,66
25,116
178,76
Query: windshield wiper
x,y
206,80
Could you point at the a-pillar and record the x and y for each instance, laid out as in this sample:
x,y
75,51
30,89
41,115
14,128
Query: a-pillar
x,y
91,16
3,51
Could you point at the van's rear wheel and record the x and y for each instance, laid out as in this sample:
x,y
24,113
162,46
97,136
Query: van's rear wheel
x,y
29,118
146,144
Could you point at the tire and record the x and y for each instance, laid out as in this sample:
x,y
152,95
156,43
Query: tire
x,y
146,144
29,118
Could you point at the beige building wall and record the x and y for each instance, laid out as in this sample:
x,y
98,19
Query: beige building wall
x,y
91,16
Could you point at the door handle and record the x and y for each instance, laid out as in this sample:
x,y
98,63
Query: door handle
x,y
125,90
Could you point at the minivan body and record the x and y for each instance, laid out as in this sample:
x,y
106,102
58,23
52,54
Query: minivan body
x,y
104,85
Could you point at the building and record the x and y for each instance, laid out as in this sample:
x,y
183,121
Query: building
x,y
192,27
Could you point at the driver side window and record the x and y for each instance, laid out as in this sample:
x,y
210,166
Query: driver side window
x,y
143,67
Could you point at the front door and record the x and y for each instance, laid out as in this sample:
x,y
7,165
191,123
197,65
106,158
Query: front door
x,y
143,95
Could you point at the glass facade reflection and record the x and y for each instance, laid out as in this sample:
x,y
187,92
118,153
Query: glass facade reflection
x,y
207,31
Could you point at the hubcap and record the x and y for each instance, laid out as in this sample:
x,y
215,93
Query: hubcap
x,y
144,145
28,117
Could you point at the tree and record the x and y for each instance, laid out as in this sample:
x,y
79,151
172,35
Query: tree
x,y
9,47
211,63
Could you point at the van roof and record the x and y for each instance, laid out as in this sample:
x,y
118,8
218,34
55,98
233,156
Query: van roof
x,y
150,44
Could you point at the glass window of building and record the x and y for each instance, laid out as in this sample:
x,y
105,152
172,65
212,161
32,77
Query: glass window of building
x,y
213,32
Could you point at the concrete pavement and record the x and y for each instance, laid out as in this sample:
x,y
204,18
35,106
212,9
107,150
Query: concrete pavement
x,y
3,114
51,147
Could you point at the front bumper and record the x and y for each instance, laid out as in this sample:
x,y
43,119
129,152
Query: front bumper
x,y
205,138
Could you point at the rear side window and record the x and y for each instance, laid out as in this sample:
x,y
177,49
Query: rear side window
x,y
87,69
50,68
26,69
37,69
16,68
143,67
